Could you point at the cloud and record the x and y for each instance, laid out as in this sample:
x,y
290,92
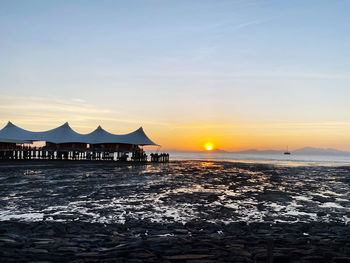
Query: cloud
x,y
235,26
11,104
48,112
242,75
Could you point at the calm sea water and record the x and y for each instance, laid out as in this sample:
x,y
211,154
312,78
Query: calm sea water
x,y
278,159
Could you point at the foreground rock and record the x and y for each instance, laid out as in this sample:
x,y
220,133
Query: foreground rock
x,y
142,241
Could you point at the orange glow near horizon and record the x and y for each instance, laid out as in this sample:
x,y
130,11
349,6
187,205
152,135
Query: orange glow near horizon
x,y
179,135
260,136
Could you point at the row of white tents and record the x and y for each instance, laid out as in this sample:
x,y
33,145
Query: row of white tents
x,y
65,134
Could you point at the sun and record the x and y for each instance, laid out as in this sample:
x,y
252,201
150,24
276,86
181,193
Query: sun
x,y
209,147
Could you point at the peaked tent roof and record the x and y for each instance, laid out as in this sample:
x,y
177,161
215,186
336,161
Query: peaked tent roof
x,y
13,132
101,136
65,134
61,134
137,137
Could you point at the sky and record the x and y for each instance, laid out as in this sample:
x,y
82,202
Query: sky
x,y
238,74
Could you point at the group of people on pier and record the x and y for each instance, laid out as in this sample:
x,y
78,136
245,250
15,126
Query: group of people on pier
x,y
159,158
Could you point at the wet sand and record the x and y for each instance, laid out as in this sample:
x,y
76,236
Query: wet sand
x,y
189,211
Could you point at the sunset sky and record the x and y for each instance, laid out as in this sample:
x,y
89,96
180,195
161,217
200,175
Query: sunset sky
x,y
238,74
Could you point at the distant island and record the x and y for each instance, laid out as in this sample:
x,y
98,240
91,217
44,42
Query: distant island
x,y
301,151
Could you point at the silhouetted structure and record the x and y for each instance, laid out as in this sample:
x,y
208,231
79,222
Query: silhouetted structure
x,y
63,143
160,158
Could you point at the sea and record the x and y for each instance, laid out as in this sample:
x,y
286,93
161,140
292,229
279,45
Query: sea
x,y
277,159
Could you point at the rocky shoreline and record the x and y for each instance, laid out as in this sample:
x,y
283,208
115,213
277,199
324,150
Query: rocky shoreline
x,y
185,211
142,241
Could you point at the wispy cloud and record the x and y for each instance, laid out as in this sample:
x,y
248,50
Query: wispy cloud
x,y
35,104
231,26
241,75
41,113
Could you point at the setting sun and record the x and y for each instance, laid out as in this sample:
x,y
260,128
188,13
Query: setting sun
x,y
209,147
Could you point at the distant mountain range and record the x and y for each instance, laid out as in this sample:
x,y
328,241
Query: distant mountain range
x,y
320,151
301,151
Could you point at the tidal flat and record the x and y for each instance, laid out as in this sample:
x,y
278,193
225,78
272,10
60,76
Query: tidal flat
x,y
183,211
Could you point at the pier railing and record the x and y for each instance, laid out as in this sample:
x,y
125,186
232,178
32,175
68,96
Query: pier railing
x,y
20,152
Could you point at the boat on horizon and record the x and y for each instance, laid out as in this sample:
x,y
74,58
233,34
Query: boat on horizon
x,y
287,152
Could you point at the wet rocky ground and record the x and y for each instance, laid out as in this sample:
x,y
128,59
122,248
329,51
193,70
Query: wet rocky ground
x,y
141,241
184,211
220,192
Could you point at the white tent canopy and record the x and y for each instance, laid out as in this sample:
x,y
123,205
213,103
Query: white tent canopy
x,y
65,134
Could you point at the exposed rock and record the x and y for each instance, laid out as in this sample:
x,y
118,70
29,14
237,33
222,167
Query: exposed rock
x,y
189,256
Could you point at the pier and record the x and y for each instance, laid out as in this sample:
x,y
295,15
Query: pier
x,y
63,143
20,152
